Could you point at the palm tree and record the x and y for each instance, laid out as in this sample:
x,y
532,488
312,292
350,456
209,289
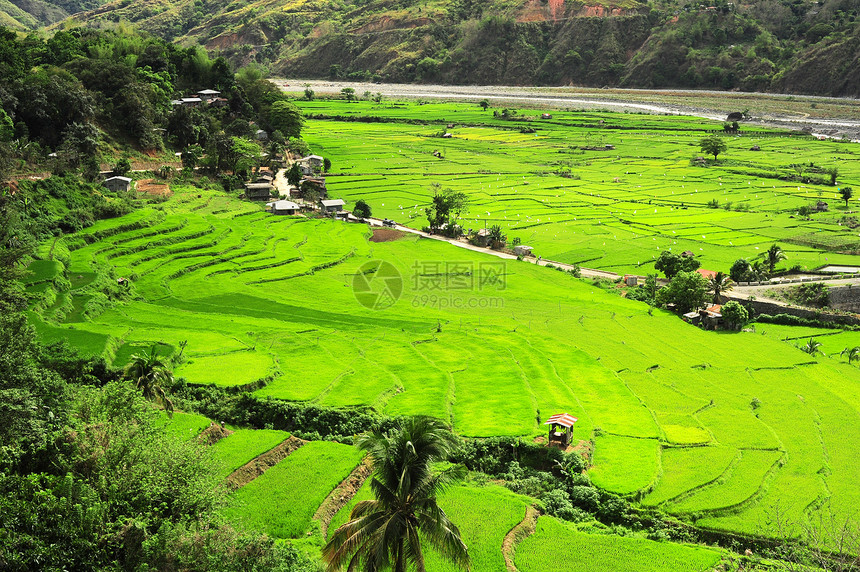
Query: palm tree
x,y
758,270
774,255
149,373
718,284
853,353
812,347
387,532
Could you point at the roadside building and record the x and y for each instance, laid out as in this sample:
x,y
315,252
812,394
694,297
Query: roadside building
x,y
118,183
208,94
332,206
522,250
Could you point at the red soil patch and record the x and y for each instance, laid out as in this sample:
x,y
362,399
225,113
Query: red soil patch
x,y
387,234
150,187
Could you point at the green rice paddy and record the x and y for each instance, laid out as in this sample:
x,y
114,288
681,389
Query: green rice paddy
x,y
722,427
609,208
243,445
282,501
557,544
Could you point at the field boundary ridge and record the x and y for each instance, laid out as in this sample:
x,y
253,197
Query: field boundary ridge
x,y
522,530
263,462
341,495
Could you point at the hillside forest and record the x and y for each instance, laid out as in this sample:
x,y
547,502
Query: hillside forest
x,y
786,46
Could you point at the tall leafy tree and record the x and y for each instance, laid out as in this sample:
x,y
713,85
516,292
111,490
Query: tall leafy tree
x,y
671,264
687,290
388,532
713,145
847,193
286,118
812,347
853,353
149,374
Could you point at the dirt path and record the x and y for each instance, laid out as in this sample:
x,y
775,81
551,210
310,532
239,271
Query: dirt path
x,y
586,272
262,463
341,495
517,534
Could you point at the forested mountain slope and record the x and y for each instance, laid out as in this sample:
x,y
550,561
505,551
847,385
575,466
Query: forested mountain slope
x,y
768,45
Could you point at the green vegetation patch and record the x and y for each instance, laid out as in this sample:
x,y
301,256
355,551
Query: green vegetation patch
x,y
243,445
237,368
42,271
282,501
185,425
558,544
624,465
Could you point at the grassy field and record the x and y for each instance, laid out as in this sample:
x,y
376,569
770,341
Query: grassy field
x,y
722,427
243,445
282,501
602,208
484,516
558,544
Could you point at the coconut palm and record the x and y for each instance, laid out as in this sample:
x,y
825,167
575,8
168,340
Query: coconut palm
x,y
812,347
853,353
149,373
718,284
388,532
774,255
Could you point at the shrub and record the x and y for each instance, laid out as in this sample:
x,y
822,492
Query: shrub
x,y
584,497
735,315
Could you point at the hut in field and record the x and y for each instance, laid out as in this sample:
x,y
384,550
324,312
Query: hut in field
x,y
561,428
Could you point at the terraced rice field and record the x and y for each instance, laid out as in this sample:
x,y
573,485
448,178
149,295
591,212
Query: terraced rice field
x,y
243,445
282,501
720,427
602,208
558,544
484,516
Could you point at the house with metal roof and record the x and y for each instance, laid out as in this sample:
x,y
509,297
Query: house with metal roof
x,y
117,183
332,205
283,207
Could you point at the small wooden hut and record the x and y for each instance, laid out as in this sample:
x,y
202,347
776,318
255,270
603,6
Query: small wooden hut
x,y
561,428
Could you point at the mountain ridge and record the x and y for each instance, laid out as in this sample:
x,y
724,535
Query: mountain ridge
x,y
786,46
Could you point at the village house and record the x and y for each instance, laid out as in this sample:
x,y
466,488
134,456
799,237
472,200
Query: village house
x,y
258,191
822,207
118,183
314,183
708,318
311,164
283,207
522,250
332,206
208,94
